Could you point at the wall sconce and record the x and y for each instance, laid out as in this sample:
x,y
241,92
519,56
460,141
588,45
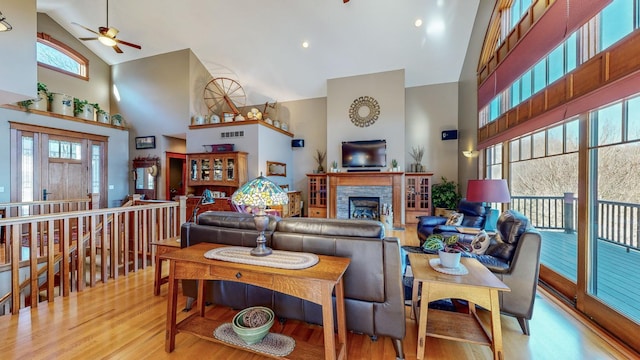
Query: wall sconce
x,y
470,153
4,25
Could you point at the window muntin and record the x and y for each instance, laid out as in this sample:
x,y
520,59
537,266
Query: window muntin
x,y
55,55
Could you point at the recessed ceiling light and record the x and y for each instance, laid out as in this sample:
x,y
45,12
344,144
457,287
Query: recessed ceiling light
x,y
418,23
305,44
436,27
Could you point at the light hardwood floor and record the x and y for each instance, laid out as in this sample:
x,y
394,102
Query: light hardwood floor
x,y
123,320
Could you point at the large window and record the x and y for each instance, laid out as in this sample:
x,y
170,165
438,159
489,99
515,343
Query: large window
x,y
57,56
613,23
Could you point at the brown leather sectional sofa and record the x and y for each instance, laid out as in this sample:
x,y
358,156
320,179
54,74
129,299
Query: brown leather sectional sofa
x,y
374,299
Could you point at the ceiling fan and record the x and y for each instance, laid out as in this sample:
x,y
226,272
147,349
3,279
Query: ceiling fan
x,y
107,35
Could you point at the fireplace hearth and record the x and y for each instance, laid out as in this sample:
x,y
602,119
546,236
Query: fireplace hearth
x,y
366,208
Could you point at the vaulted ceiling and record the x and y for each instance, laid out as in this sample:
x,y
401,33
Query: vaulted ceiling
x,y
259,43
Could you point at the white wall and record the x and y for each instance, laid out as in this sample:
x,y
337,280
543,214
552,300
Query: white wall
x,y
431,110
96,90
18,60
388,89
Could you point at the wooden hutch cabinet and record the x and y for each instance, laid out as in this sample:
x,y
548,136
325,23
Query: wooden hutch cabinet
x,y
418,196
221,172
317,193
217,169
293,207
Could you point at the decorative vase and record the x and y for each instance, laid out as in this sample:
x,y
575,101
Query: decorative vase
x,y
41,103
62,104
320,169
87,112
103,117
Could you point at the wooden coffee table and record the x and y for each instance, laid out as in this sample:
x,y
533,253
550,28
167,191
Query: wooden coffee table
x,y
480,286
162,247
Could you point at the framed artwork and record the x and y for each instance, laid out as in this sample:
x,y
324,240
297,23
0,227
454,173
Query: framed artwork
x,y
145,142
276,168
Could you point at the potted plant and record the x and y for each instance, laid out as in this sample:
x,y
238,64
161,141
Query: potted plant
x,y
41,102
334,166
417,153
394,165
445,196
44,98
102,116
320,155
83,109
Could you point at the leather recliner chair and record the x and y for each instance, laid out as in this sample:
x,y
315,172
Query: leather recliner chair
x,y
474,217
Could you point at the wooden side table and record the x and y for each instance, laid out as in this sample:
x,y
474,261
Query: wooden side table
x,y
480,286
163,247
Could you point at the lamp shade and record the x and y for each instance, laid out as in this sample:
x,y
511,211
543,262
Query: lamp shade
x,y
260,192
488,190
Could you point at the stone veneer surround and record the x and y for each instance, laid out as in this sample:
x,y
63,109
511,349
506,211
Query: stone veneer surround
x,y
392,180
385,193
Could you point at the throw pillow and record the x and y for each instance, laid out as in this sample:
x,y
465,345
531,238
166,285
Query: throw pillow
x,y
480,243
455,219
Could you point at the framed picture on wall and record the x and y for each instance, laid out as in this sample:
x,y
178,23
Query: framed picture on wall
x,y
145,142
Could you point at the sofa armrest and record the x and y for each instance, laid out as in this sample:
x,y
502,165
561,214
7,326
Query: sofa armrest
x,y
522,276
387,320
431,220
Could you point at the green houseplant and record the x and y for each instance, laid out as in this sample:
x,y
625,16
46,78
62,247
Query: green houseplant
x,y
445,194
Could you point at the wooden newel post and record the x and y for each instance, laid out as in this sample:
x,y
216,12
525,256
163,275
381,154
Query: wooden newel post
x,y
569,226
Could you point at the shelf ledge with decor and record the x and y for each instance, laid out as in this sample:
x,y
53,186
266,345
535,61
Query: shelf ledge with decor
x,y
59,116
243,122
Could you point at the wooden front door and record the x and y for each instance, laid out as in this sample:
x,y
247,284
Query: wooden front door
x,y
64,175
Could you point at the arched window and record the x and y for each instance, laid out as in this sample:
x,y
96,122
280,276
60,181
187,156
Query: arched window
x,y
55,55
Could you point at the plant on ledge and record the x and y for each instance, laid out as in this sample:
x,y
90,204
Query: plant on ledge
x,y
78,106
445,194
417,153
320,155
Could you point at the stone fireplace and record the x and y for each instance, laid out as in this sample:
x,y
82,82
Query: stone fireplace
x,y
364,207
386,186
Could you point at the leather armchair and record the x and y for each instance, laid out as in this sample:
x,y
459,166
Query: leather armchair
x,y
474,216
516,261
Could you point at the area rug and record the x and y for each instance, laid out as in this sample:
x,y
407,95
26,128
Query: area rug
x,y
272,344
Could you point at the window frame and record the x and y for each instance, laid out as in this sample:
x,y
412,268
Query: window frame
x,y
47,40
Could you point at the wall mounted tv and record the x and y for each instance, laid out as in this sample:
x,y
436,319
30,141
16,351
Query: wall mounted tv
x,y
368,153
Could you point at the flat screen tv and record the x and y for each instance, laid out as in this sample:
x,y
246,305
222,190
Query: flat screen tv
x,y
368,153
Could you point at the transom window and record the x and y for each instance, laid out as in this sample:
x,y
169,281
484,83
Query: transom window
x,y
55,55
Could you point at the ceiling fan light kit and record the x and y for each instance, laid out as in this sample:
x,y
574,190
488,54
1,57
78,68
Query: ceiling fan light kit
x,y
107,35
4,25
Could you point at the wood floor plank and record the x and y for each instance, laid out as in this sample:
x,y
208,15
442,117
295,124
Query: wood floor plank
x,y
124,320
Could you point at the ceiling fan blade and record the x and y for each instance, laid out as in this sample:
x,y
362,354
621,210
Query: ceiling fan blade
x,y
85,39
86,28
117,49
128,44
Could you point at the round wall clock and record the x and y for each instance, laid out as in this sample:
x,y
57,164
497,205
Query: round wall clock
x,y
364,111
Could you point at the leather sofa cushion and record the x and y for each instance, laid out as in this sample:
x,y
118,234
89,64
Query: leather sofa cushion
x,y
361,241
230,219
336,227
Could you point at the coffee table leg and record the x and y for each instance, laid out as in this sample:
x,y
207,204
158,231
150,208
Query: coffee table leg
x,y
422,323
496,329
170,332
414,299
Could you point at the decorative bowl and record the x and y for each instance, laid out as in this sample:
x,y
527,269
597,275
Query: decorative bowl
x,y
253,335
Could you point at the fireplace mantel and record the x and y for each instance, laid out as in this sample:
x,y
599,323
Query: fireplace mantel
x,y
368,178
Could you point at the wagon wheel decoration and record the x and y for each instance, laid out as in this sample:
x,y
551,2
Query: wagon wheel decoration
x,y
364,111
224,91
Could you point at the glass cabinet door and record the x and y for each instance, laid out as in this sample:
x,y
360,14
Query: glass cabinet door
x,y
193,170
231,165
206,169
217,169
